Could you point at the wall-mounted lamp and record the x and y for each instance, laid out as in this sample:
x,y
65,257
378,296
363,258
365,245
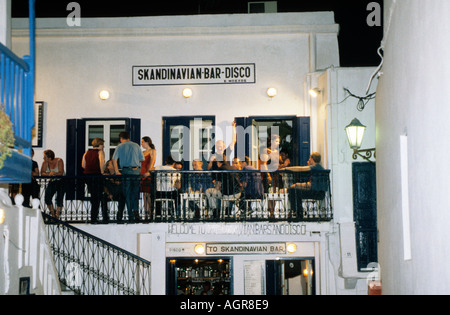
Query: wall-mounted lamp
x,y
315,92
272,92
355,134
2,216
291,248
187,93
104,95
199,249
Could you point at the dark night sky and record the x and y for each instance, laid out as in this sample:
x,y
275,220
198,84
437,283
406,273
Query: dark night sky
x,y
358,42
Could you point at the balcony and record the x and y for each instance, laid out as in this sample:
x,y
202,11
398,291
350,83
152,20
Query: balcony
x,y
17,116
189,196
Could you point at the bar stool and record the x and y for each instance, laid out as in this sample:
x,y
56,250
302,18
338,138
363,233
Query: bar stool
x,y
226,200
254,208
165,203
280,204
198,199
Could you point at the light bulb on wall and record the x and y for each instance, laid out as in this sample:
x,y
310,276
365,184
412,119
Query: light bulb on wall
x,y
272,92
315,92
199,249
187,93
291,248
2,216
104,95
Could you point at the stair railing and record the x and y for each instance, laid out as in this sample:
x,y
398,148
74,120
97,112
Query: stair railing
x,y
88,265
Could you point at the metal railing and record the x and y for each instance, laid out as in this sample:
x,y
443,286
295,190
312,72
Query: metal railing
x,y
17,80
15,89
88,265
189,196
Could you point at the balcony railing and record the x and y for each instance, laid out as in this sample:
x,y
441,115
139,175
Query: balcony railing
x,y
17,80
189,196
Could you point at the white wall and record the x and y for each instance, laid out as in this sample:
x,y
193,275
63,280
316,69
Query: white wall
x,y
25,251
341,110
289,50
74,64
334,111
412,100
151,241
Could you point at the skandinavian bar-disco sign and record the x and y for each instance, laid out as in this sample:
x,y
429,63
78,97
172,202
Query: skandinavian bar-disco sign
x,y
194,74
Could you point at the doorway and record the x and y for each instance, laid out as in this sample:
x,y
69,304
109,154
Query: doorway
x,y
290,277
188,138
81,132
294,135
365,213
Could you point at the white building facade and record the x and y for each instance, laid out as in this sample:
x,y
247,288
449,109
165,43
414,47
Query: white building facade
x,y
228,62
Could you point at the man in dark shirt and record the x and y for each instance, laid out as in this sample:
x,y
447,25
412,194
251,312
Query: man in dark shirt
x,y
300,191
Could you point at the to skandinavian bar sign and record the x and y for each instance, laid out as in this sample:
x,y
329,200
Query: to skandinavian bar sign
x,y
246,249
194,74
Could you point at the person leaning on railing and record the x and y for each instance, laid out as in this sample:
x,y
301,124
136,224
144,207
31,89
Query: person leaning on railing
x,y
53,167
299,190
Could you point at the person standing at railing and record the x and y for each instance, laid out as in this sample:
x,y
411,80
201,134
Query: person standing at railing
x,y
129,155
32,189
146,166
271,164
222,154
298,191
93,163
53,166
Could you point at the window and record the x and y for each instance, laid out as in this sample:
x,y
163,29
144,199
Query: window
x,y
253,137
188,139
264,129
108,131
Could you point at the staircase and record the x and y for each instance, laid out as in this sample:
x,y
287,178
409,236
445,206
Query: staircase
x,y
26,259
43,256
88,265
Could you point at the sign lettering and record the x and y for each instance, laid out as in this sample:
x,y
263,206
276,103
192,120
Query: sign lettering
x,y
245,229
245,249
194,74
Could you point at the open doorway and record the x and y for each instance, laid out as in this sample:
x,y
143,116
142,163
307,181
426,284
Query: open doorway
x,y
290,277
